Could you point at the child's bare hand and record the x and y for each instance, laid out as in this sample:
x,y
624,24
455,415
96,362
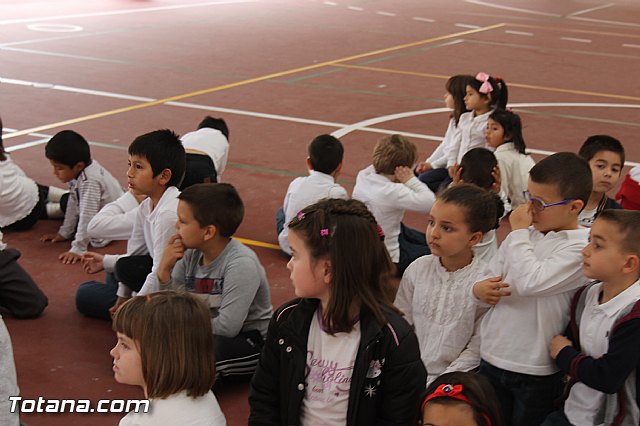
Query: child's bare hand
x,y
452,170
54,238
497,179
69,258
489,290
119,302
92,262
521,217
173,252
557,344
423,167
457,174
403,174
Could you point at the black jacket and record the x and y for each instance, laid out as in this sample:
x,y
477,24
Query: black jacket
x,y
277,388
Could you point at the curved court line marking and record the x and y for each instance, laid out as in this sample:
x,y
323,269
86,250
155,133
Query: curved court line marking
x,y
575,30
593,9
248,81
521,85
121,12
513,9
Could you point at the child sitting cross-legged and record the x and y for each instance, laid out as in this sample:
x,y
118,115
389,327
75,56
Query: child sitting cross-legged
x,y
203,259
434,291
599,350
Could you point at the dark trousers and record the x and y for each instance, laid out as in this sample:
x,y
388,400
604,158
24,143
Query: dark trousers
x,y
94,299
280,220
525,400
557,418
413,244
435,178
238,356
199,169
19,294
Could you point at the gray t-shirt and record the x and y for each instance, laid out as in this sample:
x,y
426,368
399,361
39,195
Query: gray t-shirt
x,y
234,286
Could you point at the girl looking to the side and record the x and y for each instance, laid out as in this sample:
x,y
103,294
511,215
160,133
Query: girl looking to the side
x,y
341,354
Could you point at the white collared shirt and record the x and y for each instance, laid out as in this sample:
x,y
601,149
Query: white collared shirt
x,y
514,172
471,134
585,405
303,192
212,142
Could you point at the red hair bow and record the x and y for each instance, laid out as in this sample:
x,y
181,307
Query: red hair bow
x,y
455,392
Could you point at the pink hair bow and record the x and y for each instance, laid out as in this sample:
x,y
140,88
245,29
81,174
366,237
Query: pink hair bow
x,y
486,87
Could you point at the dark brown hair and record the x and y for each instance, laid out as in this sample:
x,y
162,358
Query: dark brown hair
x,y
174,337
346,233
457,87
217,204
480,205
628,224
567,172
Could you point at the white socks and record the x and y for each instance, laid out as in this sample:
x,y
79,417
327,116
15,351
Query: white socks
x,y
54,211
55,194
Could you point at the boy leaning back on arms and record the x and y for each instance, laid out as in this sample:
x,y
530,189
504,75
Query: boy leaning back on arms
x,y
540,262
600,351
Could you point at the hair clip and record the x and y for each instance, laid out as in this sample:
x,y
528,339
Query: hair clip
x,y
455,392
380,231
486,87
148,298
300,215
324,232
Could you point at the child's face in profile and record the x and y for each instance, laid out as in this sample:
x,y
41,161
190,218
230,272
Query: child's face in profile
x,y
474,101
65,173
436,414
127,365
555,218
309,276
606,167
140,178
494,134
449,101
190,232
448,233
603,257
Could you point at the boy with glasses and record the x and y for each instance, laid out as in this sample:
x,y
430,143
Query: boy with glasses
x,y
540,264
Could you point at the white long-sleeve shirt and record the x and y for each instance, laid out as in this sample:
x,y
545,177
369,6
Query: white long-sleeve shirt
x,y
18,193
115,220
446,319
212,142
151,232
470,134
388,200
438,158
514,172
304,191
94,188
543,271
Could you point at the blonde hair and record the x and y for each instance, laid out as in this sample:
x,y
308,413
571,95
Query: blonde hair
x,y
174,337
393,151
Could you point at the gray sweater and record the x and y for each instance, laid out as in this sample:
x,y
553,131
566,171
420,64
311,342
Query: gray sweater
x,y
234,286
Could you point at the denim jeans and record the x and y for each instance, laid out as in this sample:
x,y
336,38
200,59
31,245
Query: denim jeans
x,y
413,244
280,220
435,179
526,400
94,298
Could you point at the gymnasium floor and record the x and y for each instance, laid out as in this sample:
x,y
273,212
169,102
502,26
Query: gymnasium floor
x,y
280,73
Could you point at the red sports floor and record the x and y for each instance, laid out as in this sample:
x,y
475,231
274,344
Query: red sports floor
x,y
280,73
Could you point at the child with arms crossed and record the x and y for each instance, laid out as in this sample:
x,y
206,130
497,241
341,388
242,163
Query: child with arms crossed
x,y
177,382
599,350
540,263
341,354
203,259
434,291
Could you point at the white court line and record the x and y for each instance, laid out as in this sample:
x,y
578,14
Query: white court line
x,y
581,12
421,19
513,9
122,11
635,46
330,3
467,26
383,13
522,33
577,40
356,8
604,21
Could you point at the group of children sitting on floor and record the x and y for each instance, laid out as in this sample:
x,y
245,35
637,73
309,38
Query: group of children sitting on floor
x,y
476,334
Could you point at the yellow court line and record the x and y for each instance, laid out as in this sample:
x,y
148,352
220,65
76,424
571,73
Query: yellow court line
x,y
573,30
521,85
245,82
257,243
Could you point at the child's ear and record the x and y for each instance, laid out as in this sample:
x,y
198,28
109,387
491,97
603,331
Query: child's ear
x,y
476,237
576,206
309,165
78,167
210,231
165,176
631,264
327,271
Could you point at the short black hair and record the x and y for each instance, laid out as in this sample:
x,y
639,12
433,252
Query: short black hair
x,y
163,150
477,165
598,143
628,224
69,148
569,173
325,153
217,204
215,123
